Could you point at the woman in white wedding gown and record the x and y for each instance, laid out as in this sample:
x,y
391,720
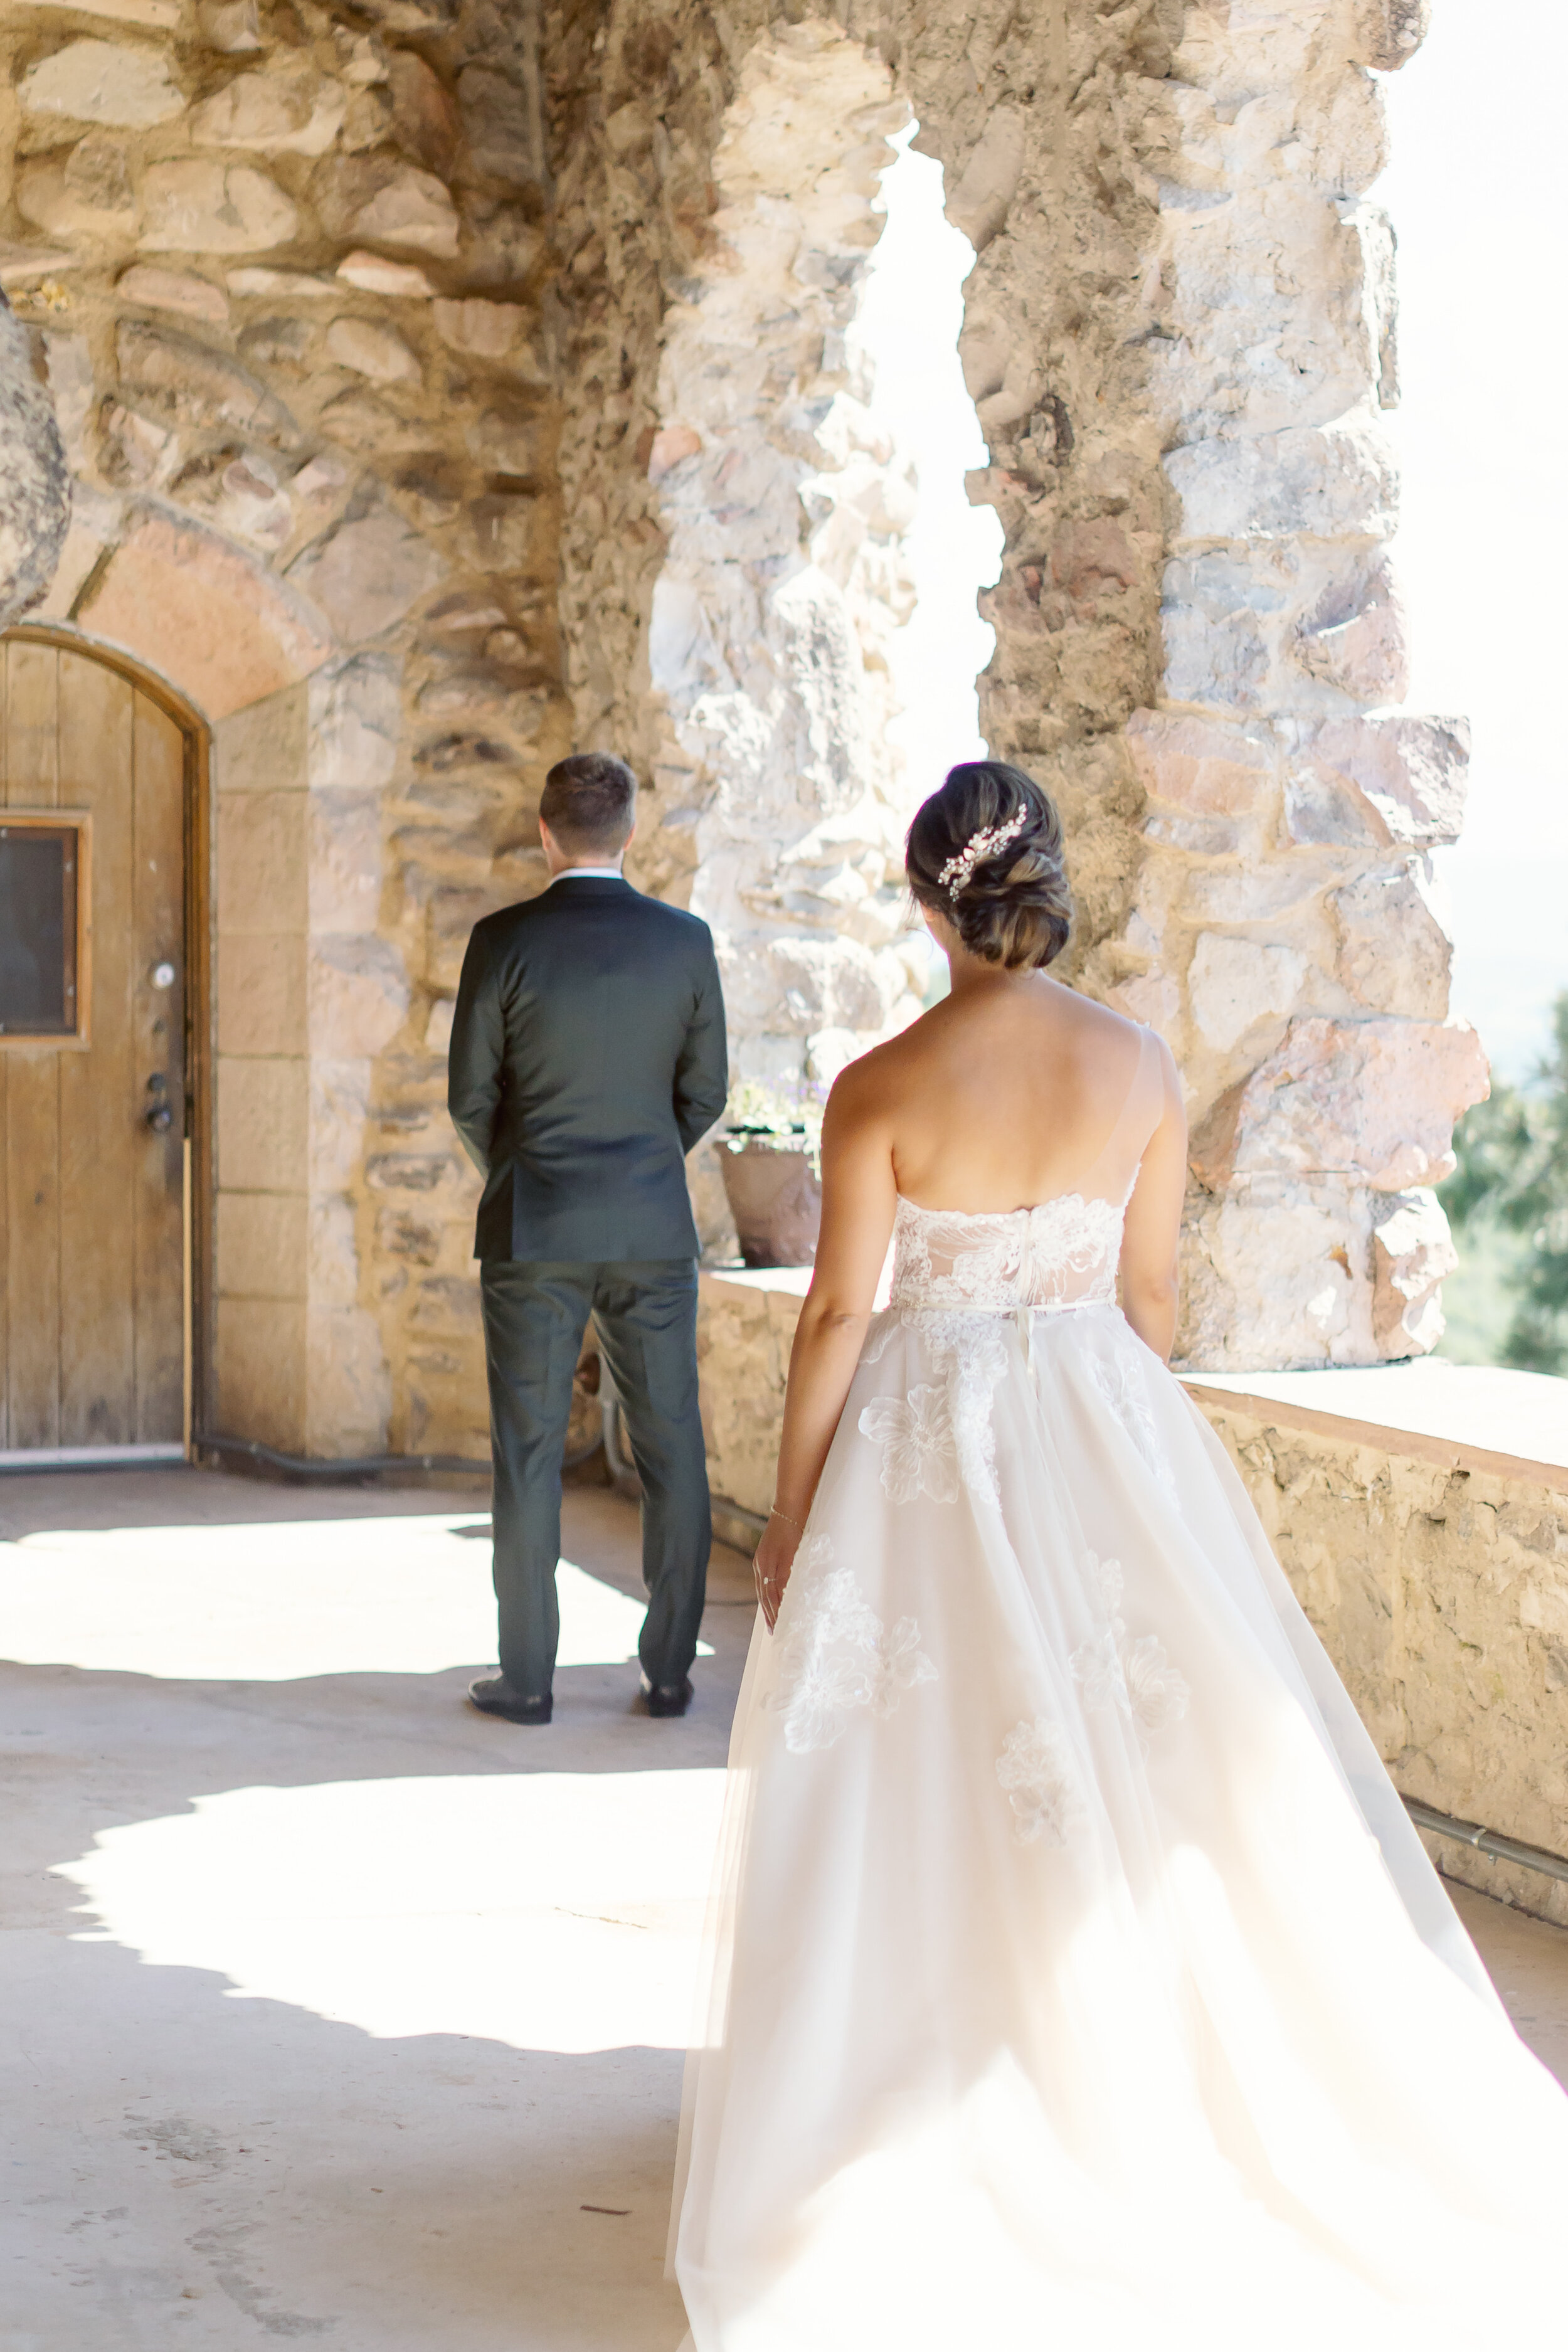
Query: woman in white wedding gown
x,y
1078,1980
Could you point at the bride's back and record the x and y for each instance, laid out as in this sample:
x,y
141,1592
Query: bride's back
x,y
1009,1094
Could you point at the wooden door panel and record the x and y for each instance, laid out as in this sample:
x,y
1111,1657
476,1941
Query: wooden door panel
x,y
158,759
31,1154
99,1138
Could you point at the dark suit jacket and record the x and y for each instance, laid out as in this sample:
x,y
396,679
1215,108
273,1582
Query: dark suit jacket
x,y
587,1057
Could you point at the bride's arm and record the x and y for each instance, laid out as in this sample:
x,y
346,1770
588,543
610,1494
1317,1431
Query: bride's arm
x,y
857,1203
1153,1228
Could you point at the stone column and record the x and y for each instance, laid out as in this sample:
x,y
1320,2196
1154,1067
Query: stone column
x,y
1178,335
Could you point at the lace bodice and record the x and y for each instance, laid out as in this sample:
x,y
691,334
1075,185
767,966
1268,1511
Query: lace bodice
x,y
1062,1254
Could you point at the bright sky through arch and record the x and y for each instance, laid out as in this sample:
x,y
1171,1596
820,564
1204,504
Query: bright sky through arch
x,y
1474,190
908,323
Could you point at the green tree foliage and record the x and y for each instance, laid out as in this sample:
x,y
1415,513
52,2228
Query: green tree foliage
x,y
1513,1172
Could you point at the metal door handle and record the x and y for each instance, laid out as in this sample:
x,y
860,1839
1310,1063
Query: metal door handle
x,y
159,1119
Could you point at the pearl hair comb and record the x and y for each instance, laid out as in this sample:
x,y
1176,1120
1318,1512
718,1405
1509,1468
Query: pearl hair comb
x,y
956,874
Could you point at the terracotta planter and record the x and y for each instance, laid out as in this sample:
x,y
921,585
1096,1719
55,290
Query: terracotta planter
x,y
775,1198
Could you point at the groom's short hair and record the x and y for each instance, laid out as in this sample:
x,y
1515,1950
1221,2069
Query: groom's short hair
x,y
589,802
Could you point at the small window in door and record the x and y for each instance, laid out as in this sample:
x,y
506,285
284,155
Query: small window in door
x,y
45,906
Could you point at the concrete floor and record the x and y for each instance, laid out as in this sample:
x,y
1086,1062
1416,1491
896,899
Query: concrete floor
x,y
329,2007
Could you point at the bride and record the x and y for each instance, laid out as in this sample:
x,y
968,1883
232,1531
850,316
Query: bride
x,y
1078,1982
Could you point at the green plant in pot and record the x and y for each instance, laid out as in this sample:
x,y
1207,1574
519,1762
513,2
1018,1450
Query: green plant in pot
x,y
771,1164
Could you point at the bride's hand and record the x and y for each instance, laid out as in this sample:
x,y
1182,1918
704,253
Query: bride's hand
x,y
772,1566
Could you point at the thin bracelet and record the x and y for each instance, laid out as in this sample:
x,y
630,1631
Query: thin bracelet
x,y
776,1514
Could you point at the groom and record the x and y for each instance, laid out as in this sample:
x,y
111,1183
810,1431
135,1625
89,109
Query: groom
x,y
587,1057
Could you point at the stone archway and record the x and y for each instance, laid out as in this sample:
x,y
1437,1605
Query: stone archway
x,y
1178,331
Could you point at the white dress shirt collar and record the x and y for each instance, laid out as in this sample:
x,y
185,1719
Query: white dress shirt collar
x,y
587,874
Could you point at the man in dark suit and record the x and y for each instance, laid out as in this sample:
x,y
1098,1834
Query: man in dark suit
x,y
587,1057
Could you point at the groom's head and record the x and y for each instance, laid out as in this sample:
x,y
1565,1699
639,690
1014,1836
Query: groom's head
x,y
588,806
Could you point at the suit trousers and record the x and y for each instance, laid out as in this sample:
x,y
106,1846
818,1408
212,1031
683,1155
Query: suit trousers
x,y
535,1313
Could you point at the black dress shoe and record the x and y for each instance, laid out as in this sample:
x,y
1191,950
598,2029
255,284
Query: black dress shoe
x,y
668,1698
493,1694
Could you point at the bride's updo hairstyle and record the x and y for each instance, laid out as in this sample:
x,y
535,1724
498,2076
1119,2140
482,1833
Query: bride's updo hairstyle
x,y
986,852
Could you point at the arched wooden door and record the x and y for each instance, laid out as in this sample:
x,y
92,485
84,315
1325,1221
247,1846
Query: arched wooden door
x,y
95,789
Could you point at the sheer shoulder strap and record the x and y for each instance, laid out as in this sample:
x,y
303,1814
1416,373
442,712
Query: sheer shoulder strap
x,y
1115,1171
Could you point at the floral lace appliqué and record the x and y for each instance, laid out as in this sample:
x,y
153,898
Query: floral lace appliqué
x,y
1137,1678
1062,1252
915,1434
833,1656
1122,1386
935,1439
1037,1769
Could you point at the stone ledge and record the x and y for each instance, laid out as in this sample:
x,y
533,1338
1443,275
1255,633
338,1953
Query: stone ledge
x,y
1508,1424
1471,1417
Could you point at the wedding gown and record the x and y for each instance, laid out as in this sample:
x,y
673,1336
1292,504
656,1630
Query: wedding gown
x,y
1078,1982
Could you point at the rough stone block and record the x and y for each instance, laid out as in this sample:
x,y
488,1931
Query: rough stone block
x,y
261,1124
330,1251
507,531
367,572
260,1251
506,439
1333,483
347,1384
293,112
502,127
338,1105
379,353
1276,1275
1357,644
989,181
485,330
34,488
1236,984
94,526
355,714
174,289
89,195
1371,1100
1389,778
224,629
261,1371
452,916
1389,32
1412,1251
199,207
263,747
261,862
372,273
1394,947
379,200
358,993
261,993
101,81
345,860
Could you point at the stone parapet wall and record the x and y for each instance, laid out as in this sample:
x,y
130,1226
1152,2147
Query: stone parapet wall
x,y
1441,1595
1434,1570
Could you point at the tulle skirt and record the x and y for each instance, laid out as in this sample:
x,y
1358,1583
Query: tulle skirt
x,y
1076,1980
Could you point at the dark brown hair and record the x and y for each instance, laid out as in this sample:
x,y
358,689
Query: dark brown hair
x,y
1011,905
588,803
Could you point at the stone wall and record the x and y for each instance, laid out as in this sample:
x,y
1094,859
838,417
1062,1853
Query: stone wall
x,y
444,383
286,268
35,501
1178,333
1441,1595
